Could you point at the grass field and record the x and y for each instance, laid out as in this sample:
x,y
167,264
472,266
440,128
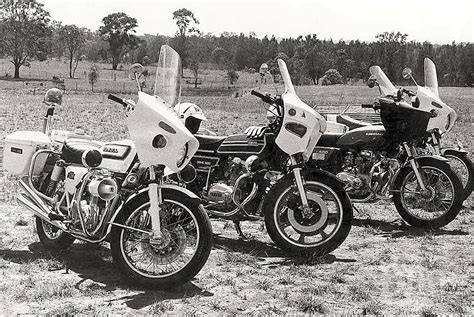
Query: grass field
x,y
384,266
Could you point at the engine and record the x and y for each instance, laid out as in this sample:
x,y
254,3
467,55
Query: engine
x,y
92,192
365,173
238,186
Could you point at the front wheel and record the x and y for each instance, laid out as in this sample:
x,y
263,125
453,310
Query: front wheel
x,y
174,260
462,166
434,207
319,229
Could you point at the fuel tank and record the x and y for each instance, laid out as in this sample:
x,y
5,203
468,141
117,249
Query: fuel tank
x,y
242,146
118,156
369,137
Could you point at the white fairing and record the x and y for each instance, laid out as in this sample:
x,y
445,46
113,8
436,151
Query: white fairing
x,y
430,101
298,113
385,84
153,117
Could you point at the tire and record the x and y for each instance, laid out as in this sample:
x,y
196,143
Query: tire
x,y
438,176
198,227
308,236
51,237
462,166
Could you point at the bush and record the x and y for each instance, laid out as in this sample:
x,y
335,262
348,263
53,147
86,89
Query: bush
x,y
331,77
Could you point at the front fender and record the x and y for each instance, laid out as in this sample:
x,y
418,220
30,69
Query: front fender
x,y
321,173
423,160
460,152
166,189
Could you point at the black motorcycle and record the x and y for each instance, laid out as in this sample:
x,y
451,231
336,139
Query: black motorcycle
x,y
381,161
243,178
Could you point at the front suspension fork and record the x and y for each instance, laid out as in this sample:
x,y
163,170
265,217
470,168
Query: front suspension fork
x,y
414,166
300,183
156,199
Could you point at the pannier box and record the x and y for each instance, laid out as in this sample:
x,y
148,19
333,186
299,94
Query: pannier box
x,y
19,149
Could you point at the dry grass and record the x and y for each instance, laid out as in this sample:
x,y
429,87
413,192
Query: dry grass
x,y
384,266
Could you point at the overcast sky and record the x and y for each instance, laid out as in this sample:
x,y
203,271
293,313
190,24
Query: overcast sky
x,y
436,21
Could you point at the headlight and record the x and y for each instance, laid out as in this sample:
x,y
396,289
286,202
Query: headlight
x,y
181,155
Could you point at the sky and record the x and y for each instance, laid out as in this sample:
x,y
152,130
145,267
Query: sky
x,y
439,22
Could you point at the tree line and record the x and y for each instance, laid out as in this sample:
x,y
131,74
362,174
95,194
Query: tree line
x,y
28,33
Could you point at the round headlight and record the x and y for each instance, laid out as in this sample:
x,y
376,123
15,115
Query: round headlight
x,y
181,155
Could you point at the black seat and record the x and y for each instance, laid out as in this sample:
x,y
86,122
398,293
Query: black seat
x,y
74,148
329,139
209,142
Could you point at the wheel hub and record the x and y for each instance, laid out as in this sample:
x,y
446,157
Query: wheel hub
x,y
311,218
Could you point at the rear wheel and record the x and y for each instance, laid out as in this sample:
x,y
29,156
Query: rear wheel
x,y
52,237
435,207
316,231
462,166
178,257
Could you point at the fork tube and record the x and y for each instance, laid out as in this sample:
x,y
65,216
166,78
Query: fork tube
x,y
154,194
414,166
299,183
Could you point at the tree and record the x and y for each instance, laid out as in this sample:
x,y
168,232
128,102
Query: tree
x,y
184,20
315,64
331,77
116,31
220,56
23,28
74,40
93,76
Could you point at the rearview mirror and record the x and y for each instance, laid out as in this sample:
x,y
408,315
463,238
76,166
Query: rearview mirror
x,y
371,81
406,73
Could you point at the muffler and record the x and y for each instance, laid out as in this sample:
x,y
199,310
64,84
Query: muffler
x,y
30,200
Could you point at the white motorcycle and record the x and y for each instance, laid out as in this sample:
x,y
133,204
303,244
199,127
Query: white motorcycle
x,y
160,234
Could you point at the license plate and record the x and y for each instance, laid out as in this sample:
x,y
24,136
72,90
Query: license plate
x,y
319,156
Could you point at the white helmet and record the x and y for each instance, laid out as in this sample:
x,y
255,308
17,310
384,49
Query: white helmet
x,y
191,115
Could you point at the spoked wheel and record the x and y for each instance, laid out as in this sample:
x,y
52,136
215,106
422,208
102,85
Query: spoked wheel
x,y
316,230
52,237
434,207
173,260
462,166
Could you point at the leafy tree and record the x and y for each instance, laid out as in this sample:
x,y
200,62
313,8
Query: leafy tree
x,y
74,41
315,64
186,23
220,56
23,28
93,76
117,31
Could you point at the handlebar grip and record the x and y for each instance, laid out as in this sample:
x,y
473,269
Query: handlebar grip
x,y
265,98
367,105
256,93
117,99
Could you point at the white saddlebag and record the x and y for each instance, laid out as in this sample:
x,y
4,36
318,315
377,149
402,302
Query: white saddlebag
x,y
19,149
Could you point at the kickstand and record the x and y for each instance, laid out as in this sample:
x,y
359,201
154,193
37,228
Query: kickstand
x,y
239,230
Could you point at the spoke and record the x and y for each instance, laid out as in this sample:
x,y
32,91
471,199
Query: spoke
x,y
323,234
301,238
333,217
284,225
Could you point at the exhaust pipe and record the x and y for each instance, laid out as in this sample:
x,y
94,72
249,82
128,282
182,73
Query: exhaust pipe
x,y
30,200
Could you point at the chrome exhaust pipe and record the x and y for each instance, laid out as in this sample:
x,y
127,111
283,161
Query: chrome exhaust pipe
x,y
35,204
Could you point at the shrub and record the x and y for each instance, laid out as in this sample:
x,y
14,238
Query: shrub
x,y
331,77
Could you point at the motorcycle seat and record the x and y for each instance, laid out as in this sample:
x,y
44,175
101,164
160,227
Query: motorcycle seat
x,y
329,139
209,142
352,123
73,149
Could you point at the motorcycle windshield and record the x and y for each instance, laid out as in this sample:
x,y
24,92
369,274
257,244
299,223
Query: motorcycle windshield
x,y
285,75
168,76
385,84
431,80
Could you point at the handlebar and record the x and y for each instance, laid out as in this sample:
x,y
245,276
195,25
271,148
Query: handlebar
x,y
265,98
117,99
367,105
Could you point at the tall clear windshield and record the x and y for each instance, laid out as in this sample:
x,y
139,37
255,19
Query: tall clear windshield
x,y
385,84
168,76
285,75
431,80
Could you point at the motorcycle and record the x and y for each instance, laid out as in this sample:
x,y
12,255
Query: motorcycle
x,y
78,188
305,210
442,121
381,161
